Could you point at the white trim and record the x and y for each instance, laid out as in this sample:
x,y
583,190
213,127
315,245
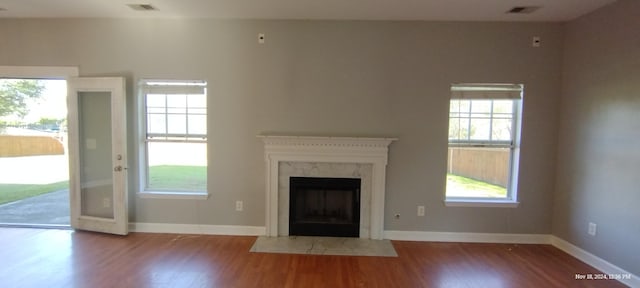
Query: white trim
x,y
326,150
474,91
575,251
197,229
173,195
595,261
480,203
467,237
39,72
107,221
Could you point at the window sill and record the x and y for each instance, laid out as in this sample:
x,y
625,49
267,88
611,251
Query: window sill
x,y
173,195
481,203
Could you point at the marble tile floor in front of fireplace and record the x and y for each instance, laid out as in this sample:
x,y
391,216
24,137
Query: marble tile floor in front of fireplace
x,y
324,246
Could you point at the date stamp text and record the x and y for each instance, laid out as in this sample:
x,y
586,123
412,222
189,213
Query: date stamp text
x,y
602,276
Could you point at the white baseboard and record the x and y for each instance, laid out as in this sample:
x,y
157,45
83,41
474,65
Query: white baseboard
x,y
468,237
597,262
198,229
575,251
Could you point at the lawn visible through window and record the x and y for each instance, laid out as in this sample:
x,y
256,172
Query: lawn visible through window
x,y
459,186
164,177
180,166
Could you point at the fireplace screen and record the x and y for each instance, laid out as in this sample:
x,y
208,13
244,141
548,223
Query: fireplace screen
x,y
324,206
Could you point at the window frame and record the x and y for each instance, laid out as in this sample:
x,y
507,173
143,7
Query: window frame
x,y
149,86
515,93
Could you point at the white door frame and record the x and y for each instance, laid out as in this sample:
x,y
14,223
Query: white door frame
x,y
39,72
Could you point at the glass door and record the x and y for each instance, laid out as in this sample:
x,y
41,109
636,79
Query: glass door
x,y
97,148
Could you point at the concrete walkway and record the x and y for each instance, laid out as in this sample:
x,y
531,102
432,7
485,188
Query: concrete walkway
x,y
46,209
49,209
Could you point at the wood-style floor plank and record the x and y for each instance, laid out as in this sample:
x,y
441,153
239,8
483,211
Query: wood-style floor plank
x,y
64,258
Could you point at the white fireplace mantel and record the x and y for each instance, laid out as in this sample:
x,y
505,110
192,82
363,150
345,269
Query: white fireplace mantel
x,y
372,151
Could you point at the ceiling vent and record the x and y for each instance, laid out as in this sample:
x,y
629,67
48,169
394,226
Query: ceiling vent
x,y
142,7
523,9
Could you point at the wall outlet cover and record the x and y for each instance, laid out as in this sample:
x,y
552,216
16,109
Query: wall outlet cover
x,y
592,229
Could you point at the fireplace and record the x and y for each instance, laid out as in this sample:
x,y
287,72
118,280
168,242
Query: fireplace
x,y
324,206
337,157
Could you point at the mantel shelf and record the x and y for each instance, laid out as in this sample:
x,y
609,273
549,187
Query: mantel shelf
x,y
279,140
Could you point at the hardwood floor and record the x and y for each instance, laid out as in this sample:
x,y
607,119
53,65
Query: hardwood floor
x,y
64,258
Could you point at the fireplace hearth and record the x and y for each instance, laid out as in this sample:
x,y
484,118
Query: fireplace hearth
x,y
324,206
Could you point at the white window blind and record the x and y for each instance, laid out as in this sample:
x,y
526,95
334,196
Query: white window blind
x,y
483,115
175,110
486,91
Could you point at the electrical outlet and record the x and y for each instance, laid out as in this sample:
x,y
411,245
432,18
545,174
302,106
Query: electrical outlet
x,y
420,210
592,229
106,202
239,205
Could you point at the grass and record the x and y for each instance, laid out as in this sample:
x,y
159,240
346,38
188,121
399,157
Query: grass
x,y
15,192
164,177
458,186
181,178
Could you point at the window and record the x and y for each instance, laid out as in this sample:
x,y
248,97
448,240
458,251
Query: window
x,y
174,137
483,143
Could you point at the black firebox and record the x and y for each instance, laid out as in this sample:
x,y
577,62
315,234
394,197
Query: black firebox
x,y
324,206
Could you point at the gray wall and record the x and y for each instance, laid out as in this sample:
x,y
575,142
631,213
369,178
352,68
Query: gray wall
x,y
339,78
599,145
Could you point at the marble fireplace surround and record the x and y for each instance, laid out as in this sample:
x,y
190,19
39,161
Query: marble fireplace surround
x,y
354,157
332,170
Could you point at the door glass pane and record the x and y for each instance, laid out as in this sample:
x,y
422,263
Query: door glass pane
x,y
96,174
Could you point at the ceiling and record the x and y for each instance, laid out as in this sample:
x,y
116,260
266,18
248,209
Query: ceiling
x,y
434,10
